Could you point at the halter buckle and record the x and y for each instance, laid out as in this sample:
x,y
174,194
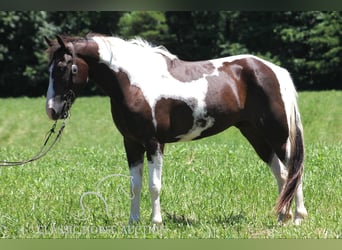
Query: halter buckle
x,y
74,69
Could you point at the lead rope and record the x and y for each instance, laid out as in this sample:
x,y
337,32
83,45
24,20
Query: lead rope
x,y
43,150
69,96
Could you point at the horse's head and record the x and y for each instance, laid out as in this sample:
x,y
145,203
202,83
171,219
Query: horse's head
x,y
68,74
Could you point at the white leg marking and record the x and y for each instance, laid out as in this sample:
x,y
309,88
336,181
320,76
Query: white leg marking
x,y
280,172
155,175
300,212
136,172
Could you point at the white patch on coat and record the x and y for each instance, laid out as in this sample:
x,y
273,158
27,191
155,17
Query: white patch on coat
x,y
50,93
196,130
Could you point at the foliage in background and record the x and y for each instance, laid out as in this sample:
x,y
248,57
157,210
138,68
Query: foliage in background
x,y
149,25
307,43
197,34
22,59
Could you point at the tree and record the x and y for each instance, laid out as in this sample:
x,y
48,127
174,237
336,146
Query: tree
x,y
22,57
195,34
83,22
150,25
308,43
314,44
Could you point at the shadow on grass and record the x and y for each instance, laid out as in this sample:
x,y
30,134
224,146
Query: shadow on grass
x,y
226,220
180,219
231,219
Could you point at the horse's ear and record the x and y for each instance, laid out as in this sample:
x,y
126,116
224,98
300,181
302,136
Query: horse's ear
x,y
61,42
48,41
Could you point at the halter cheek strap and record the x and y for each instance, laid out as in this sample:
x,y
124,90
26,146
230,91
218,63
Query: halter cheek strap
x,y
74,68
70,95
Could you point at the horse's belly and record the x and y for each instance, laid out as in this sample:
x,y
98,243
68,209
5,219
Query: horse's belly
x,y
200,129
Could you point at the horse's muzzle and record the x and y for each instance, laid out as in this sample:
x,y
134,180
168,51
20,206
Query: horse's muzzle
x,y
57,108
53,115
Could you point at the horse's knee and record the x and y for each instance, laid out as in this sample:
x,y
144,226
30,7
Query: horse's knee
x,y
136,187
155,189
136,181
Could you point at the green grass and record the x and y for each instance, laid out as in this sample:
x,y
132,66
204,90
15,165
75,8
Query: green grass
x,y
212,188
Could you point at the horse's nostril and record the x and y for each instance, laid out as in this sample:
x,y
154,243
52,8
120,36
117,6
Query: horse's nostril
x,y
52,114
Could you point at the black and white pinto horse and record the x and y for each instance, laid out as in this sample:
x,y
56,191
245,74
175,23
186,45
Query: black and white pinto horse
x,y
157,98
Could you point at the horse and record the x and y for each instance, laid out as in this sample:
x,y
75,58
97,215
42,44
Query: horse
x,y
157,98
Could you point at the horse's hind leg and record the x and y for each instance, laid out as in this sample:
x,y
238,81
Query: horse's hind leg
x,y
272,149
267,153
280,173
300,212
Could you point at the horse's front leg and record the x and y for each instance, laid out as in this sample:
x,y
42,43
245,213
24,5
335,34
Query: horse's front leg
x,y
155,164
135,157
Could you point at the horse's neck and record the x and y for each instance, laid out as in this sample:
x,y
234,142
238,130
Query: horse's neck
x,y
99,72
106,79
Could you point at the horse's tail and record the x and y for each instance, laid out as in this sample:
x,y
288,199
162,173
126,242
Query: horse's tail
x,y
295,155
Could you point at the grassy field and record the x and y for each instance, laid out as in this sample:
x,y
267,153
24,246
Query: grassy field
x,y
212,188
